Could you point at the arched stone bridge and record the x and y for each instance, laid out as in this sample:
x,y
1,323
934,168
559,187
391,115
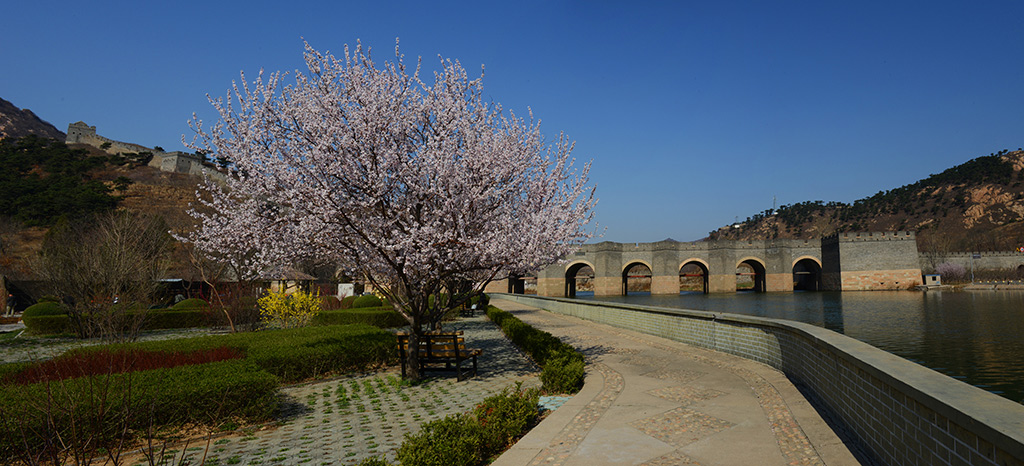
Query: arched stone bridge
x,y
848,261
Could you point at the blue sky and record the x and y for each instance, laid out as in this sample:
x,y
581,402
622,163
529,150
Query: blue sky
x,y
694,113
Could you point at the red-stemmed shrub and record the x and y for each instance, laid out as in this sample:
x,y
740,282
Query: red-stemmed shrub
x,y
85,363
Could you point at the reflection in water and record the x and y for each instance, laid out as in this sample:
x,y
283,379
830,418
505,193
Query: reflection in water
x,y
972,336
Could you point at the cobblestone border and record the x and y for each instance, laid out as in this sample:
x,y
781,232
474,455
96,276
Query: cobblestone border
x,y
565,443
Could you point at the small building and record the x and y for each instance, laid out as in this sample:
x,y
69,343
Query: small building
x,y
932,279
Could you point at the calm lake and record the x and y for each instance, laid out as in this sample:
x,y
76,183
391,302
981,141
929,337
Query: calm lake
x,y
974,336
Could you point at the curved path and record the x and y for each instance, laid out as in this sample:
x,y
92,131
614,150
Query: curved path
x,y
653,402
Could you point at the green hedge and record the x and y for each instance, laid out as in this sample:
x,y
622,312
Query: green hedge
x,y
562,367
367,300
156,319
296,354
47,325
43,308
380,317
471,439
159,319
205,394
191,303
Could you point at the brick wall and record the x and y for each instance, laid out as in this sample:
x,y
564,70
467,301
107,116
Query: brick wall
x,y
895,411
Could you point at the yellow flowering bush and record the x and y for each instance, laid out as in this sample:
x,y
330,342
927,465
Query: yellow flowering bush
x,y
289,311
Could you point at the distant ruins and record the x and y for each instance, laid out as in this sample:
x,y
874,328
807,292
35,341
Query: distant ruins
x,y
174,162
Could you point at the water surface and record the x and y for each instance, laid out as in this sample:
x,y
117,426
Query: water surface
x,y
974,336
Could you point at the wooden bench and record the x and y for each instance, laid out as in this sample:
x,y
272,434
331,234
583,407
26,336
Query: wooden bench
x,y
468,311
437,348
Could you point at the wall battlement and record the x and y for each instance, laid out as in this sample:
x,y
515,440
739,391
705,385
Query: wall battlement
x,y
869,236
174,162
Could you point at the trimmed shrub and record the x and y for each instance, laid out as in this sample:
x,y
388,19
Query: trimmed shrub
x,y
47,324
159,319
380,317
204,394
563,374
201,394
191,303
566,371
44,308
505,417
346,302
472,439
74,364
297,354
454,440
368,300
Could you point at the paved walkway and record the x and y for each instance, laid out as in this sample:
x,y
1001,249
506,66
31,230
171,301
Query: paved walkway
x,y
345,420
652,402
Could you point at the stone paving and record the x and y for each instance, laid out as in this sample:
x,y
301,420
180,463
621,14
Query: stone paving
x,y
660,402
345,420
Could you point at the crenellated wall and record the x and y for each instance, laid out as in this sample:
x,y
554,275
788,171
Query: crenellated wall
x,y
851,261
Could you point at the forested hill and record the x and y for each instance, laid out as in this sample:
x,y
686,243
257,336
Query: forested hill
x,y
978,205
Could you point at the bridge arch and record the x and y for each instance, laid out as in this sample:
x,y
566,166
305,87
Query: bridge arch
x,y
751,270
693,275
636,275
574,281
807,273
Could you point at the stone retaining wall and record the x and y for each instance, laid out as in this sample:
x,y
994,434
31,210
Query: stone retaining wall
x,y
898,412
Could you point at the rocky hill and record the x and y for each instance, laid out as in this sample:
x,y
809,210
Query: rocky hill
x,y
137,187
978,205
16,122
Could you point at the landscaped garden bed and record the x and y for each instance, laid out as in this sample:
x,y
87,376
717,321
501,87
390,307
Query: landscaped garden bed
x,y
104,411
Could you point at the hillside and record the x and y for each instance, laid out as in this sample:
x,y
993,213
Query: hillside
x,y
16,122
45,180
978,205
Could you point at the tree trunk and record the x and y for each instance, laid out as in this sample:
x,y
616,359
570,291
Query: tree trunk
x,y
412,352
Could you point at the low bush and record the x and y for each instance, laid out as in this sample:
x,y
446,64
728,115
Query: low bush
x,y
505,417
159,319
74,363
454,440
298,354
156,319
368,300
562,364
380,317
44,308
191,303
289,310
563,373
41,415
47,324
100,410
346,302
471,439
